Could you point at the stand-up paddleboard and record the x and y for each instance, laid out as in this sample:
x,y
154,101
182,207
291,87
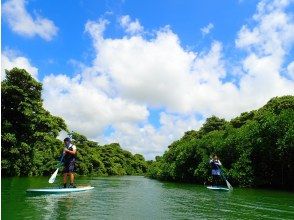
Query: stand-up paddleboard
x,y
59,190
218,188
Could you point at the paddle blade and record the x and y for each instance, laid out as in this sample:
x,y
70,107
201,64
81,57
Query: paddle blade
x,y
53,177
229,185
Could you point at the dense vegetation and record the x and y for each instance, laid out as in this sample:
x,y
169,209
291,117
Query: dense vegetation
x,y
256,149
106,160
29,144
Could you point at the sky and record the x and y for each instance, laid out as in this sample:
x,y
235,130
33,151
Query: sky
x,y
142,73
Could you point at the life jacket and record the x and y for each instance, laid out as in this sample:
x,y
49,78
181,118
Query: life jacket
x,y
69,157
214,165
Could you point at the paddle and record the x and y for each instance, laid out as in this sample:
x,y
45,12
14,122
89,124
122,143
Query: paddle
x,y
227,182
53,177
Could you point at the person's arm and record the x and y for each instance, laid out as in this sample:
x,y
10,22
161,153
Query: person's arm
x,y
73,151
218,163
211,162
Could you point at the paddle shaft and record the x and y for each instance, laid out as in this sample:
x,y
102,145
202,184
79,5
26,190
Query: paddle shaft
x,y
223,176
52,178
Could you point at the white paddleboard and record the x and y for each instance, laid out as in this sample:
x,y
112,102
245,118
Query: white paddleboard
x,y
218,188
60,190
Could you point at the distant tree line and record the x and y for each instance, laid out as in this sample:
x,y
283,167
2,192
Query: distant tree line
x,y
29,144
256,149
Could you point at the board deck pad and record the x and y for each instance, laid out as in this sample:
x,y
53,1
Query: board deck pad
x,y
218,188
60,190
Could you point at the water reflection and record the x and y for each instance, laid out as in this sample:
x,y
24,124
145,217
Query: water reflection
x,y
58,206
142,198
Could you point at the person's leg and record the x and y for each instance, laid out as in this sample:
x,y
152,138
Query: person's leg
x,y
219,180
71,173
214,180
72,178
64,179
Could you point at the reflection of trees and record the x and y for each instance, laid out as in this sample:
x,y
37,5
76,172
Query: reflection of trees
x,y
58,206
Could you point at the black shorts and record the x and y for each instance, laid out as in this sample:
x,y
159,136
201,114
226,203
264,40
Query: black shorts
x,y
69,167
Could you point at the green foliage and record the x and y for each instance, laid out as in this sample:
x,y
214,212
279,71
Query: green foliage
x,y
29,137
256,149
93,159
27,128
213,124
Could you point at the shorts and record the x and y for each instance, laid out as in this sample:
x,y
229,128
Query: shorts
x,y
69,167
215,172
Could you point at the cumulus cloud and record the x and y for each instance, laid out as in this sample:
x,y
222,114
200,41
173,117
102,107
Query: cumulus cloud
x,y
10,59
206,30
154,73
144,70
267,43
85,107
131,75
131,27
21,22
273,33
160,73
149,140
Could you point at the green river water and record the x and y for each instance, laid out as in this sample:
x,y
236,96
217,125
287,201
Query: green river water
x,y
135,197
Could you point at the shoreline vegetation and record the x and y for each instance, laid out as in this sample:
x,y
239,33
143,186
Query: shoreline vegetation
x,y
255,148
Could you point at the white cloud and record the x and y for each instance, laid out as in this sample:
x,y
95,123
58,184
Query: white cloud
x,y
131,27
21,22
147,139
267,44
133,74
206,30
159,72
154,73
85,108
10,59
273,32
144,70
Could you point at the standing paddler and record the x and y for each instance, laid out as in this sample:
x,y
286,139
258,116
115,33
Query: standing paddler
x,y
215,170
69,159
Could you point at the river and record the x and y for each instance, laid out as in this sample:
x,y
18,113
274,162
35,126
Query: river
x,y
135,197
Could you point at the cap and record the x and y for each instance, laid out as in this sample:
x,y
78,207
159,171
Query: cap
x,y
67,139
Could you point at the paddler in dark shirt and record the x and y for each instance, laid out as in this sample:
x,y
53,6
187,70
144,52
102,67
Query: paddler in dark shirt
x,y
69,159
215,170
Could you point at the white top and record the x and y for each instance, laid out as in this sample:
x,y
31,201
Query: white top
x,y
71,146
217,162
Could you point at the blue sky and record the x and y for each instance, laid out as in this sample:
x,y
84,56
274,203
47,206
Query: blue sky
x,y
141,73
186,18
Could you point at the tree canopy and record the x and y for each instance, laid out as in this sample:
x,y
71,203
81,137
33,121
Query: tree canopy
x,y
256,149
29,131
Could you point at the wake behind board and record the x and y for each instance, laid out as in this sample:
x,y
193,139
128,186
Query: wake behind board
x,y
59,190
218,188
